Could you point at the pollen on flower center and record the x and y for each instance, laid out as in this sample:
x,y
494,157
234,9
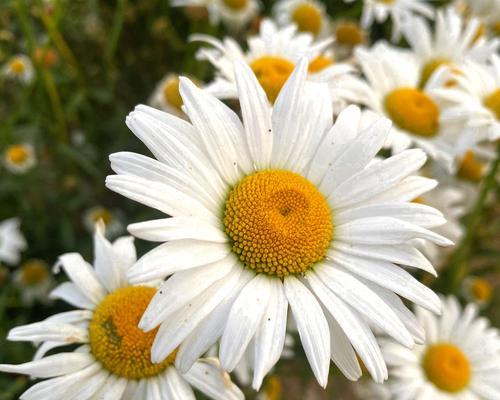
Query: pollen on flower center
x,y
319,63
493,103
447,367
412,110
236,4
429,68
17,154
307,16
279,222
115,339
171,93
272,73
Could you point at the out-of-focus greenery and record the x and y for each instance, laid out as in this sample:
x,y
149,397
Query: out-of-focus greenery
x,y
109,55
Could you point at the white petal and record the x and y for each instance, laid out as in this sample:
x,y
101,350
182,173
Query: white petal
x,y
48,331
69,292
91,386
105,269
175,387
407,190
312,326
113,389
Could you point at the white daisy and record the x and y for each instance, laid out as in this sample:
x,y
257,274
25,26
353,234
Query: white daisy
x,y
19,67
113,357
453,42
348,35
12,241
19,158
282,209
488,11
309,16
392,89
460,359
272,55
235,14
477,290
34,281
399,11
109,218
475,100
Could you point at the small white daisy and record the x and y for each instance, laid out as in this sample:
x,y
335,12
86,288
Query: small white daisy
x,y
272,55
19,158
109,218
348,35
235,14
309,16
460,359
392,89
19,67
113,357
477,290
453,42
34,280
399,11
282,209
12,241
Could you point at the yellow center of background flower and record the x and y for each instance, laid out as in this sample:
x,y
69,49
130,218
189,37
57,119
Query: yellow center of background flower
x,y
236,4
17,154
412,110
272,73
279,222
171,93
349,33
307,16
493,103
34,272
429,68
470,168
447,367
17,66
102,214
115,340
481,289
320,63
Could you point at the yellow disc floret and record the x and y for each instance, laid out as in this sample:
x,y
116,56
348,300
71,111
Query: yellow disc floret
x,y
447,367
115,339
308,18
429,68
33,272
412,110
17,65
171,93
17,154
492,101
349,34
278,222
470,168
235,4
320,63
481,289
272,73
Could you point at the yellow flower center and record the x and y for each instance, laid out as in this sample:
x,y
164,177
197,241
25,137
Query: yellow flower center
x,y
273,388
496,28
17,154
236,4
34,272
102,214
320,63
429,68
492,101
279,222
412,110
272,73
470,168
386,1
17,66
447,367
115,340
349,33
171,93
307,16
481,289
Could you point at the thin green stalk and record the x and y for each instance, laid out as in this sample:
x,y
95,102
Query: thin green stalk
x,y
115,31
57,108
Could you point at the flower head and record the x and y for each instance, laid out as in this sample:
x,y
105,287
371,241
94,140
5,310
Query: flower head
x,y
19,158
20,68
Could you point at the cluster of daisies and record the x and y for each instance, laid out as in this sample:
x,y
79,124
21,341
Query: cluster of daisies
x,y
300,193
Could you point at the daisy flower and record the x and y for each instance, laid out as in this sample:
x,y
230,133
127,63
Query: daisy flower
x,y
279,210
399,11
475,100
453,42
272,56
20,67
309,16
347,35
19,158
34,280
392,89
12,241
477,290
488,11
113,357
460,359
108,217
235,14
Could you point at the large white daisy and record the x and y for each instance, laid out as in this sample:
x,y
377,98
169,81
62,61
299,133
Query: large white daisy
x,y
12,241
280,210
234,13
399,11
272,55
459,360
113,357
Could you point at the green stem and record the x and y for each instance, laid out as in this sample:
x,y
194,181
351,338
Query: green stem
x,y
116,31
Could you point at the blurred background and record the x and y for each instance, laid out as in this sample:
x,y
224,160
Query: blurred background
x,y
92,62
